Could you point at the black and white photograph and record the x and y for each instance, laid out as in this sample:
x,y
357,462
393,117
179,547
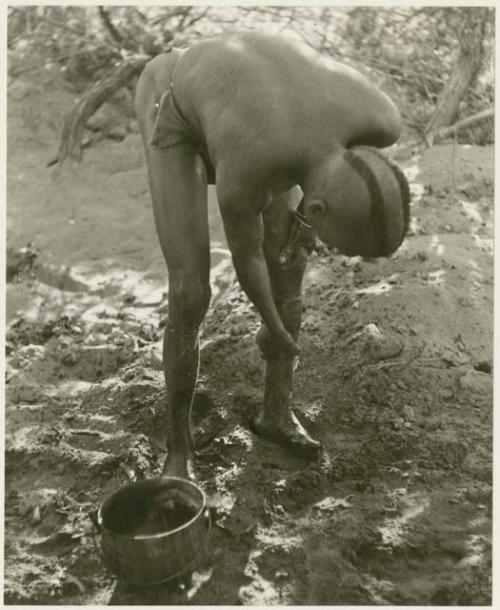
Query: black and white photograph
x,y
248,304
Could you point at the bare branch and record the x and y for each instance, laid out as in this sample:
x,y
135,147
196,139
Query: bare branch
x,y
197,18
403,72
467,122
108,24
169,14
141,15
464,73
64,26
74,124
183,14
38,64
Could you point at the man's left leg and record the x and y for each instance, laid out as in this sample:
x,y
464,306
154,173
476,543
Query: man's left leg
x,y
286,247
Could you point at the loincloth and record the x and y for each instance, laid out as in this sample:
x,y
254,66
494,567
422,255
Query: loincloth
x,y
172,128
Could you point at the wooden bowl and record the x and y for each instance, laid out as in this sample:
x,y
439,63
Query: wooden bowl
x,y
154,530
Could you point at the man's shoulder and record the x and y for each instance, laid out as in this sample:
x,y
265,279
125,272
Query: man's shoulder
x,y
249,37
247,47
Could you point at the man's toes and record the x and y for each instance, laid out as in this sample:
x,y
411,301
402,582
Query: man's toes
x,y
304,445
291,436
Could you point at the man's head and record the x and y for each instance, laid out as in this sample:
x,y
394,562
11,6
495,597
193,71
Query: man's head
x,y
360,204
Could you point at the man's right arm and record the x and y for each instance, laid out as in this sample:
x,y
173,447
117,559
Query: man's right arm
x,y
244,233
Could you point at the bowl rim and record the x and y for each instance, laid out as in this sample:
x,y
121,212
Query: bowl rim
x,y
202,509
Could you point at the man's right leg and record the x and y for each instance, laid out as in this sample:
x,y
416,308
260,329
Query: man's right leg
x,y
276,419
178,185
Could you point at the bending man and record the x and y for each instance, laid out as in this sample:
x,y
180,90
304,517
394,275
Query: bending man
x,y
271,123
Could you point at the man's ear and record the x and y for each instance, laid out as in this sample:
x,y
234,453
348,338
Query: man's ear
x,y
159,126
315,208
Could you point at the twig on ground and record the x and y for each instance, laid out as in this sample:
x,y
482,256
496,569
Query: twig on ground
x,y
76,581
87,432
391,363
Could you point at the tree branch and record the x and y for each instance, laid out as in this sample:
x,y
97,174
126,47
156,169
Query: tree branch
x,y
465,71
196,18
183,16
38,64
169,14
463,123
108,24
74,124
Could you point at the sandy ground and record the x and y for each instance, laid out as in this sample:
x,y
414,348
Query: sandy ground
x,y
395,379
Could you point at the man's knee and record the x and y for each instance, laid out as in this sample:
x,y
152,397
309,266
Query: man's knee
x,y
189,298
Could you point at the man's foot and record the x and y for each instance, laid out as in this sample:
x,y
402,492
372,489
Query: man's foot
x,y
179,466
288,432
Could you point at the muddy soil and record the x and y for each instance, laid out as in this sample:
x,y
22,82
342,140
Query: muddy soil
x,y
395,380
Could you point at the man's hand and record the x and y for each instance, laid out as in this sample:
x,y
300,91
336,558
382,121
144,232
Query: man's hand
x,y
287,342
271,346
253,276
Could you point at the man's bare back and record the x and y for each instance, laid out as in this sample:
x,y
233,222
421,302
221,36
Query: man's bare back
x,y
267,107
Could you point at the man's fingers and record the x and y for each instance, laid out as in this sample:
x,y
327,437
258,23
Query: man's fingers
x,y
290,344
271,343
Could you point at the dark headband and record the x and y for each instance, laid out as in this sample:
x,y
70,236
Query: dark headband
x,y
404,187
377,210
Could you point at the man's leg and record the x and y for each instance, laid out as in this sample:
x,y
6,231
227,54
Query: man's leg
x,y
276,419
179,192
178,185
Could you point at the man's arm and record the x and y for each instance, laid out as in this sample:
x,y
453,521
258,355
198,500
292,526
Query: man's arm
x,y
245,235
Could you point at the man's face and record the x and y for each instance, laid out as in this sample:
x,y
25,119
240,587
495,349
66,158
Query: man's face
x,y
342,221
356,218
